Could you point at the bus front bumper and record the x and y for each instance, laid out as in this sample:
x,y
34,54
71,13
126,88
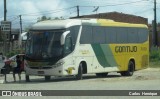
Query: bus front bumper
x,y
46,72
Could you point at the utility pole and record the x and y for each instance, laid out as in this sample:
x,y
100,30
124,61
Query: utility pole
x,y
155,23
20,42
5,11
77,11
20,18
4,33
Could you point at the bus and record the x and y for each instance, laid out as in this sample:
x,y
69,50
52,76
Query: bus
x,y
73,47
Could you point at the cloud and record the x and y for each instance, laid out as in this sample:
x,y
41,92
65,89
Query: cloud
x,y
32,9
29,9
50,6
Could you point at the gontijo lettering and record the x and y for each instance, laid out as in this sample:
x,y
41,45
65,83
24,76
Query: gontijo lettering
x,y
120,49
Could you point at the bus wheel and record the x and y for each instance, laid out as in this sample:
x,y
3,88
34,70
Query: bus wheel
x,y
101,74
80,72
27,78
130,70
47,78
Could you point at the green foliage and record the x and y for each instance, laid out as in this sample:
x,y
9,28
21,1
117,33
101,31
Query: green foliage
x,y
155,64
43,18
12,53
58,18
155,54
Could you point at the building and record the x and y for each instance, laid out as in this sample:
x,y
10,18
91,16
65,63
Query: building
x,y
1,41
15,38
0,34
11,42
119,17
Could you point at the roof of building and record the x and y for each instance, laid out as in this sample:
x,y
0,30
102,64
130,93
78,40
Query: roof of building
x,y
118,17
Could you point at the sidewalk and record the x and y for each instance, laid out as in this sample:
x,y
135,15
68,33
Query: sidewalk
x,y
9,78
2,79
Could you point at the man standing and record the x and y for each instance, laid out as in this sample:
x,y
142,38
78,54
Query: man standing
x,y
17,69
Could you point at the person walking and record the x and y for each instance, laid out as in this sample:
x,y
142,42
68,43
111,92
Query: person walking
x,y
17,69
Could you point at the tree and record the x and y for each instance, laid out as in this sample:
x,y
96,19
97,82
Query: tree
x,y
58,18
43,18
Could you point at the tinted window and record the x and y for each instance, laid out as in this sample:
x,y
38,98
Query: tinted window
x,y
111,36
68,44
74,33
132,35
99,34
142,35
86,35
121,35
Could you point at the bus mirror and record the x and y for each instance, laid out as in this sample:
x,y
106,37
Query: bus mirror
x,y
63,37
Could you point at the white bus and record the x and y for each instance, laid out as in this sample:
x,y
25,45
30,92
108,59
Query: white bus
x,y
81,46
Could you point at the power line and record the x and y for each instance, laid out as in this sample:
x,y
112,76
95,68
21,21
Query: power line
x,y
14,19
144,11
15,23
43,12
47,12
117,4
60,10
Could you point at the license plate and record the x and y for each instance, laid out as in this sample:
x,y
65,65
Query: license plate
x,y
40,72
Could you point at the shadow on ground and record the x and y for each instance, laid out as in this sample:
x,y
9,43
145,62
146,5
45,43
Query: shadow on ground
x,y
40,79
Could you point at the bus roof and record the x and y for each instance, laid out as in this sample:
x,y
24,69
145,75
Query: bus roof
x,y
55,24
62,24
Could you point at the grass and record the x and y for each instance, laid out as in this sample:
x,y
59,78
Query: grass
x,y
155,64
154,57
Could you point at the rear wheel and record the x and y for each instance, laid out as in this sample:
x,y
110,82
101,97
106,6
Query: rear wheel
x,y
130,70
47,78
80,72
101,74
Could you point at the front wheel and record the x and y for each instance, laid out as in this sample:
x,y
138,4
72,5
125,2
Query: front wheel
x,y
130,70
80,72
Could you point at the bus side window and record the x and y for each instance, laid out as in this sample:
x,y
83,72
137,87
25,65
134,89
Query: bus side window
x,y
68,45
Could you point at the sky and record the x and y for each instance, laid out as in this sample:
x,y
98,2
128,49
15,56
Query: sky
x,y
31,10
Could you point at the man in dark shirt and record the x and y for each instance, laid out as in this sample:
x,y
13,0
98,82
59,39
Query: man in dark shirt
x,y
17,69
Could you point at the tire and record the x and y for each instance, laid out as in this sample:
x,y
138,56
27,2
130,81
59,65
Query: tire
x,y
130,70
101,74
80,72
123,73
27,78
47,78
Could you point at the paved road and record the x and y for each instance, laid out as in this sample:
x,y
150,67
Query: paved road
x,y
148,79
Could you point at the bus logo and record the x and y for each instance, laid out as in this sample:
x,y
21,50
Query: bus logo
x,y
120,49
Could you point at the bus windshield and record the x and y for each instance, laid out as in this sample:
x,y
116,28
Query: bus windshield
x,y
43,45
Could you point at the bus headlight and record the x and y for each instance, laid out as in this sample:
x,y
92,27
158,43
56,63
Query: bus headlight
x,y
60,63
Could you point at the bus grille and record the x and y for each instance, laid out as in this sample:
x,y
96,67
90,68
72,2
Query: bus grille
x,y
40,67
